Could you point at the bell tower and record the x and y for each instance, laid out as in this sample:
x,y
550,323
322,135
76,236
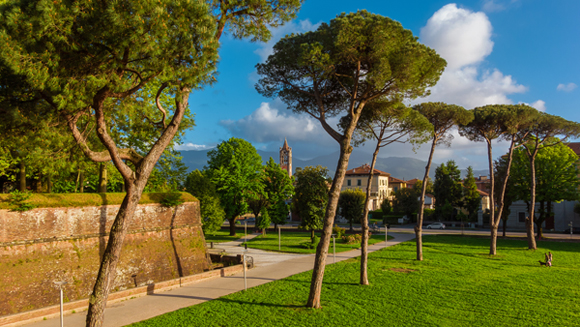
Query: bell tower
x,y
286,158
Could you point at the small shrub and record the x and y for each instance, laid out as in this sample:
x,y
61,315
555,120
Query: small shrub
x,y
17,200
311,244
172,199
339,231
352,238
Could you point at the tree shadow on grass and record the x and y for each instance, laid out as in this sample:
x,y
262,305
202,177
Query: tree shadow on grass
x,y
264,304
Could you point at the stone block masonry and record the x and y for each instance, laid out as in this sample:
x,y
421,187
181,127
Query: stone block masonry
x,y
44,245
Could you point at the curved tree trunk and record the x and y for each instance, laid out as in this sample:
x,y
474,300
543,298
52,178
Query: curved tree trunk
x,y
322,249
136,181
530,224
106,275
419,226
493,218
364,246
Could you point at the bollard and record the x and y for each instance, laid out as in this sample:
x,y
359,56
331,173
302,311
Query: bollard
x,y
245,281
60,284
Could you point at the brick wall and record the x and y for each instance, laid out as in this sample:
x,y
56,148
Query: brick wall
x,y
41,246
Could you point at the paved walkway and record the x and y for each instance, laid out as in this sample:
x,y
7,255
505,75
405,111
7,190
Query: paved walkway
x,y
269,266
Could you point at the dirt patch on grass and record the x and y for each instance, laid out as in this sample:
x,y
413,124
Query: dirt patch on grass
x,y
402,270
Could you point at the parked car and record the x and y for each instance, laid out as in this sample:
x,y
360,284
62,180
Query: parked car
x,y
436,226
575,230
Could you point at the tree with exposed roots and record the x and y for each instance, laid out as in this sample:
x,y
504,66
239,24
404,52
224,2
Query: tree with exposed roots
x,y
386,122
443,117
504,122
83,58
337,70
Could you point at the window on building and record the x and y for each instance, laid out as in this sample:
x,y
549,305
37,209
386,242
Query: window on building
x,y
522,217
358,182
348,182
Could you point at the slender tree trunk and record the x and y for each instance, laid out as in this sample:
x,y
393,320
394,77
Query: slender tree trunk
x,y
322,249
232,222
77,181
106,275
22,177
530,225
364,246
312,236
419,226
48,183
504,227
540,220
39,186
350,222
102,187
82,182
493,218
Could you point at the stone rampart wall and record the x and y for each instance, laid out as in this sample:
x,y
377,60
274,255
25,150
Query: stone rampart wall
x,y
41,246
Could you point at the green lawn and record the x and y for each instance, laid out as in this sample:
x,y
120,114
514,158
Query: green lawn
x,y
291,242
222,235
458,284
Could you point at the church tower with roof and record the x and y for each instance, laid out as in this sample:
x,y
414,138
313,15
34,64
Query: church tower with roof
x,y
286,158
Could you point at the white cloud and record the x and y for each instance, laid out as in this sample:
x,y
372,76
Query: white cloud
x,y
566,87
463,39
281,31
191,146
540,105
460,36
267,124
492,6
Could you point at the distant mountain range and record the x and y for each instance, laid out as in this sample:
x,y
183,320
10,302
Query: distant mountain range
x,y
399,167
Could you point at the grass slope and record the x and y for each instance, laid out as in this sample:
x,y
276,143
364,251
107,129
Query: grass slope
x,y
60,200
458,284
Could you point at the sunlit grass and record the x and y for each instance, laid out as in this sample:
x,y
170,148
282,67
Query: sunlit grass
x,y
458,284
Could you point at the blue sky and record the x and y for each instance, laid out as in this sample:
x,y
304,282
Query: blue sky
x,y
498,51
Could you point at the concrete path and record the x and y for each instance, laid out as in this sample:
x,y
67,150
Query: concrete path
x,y
269,266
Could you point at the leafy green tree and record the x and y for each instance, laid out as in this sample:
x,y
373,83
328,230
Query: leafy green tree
x,y
443,117
447,188
471,197
236,170
338,69
311,196
92,56
386,122
499,122
556,178
543,131
386,207
279,212
263,221
212,213
406,202
351,205
279,188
